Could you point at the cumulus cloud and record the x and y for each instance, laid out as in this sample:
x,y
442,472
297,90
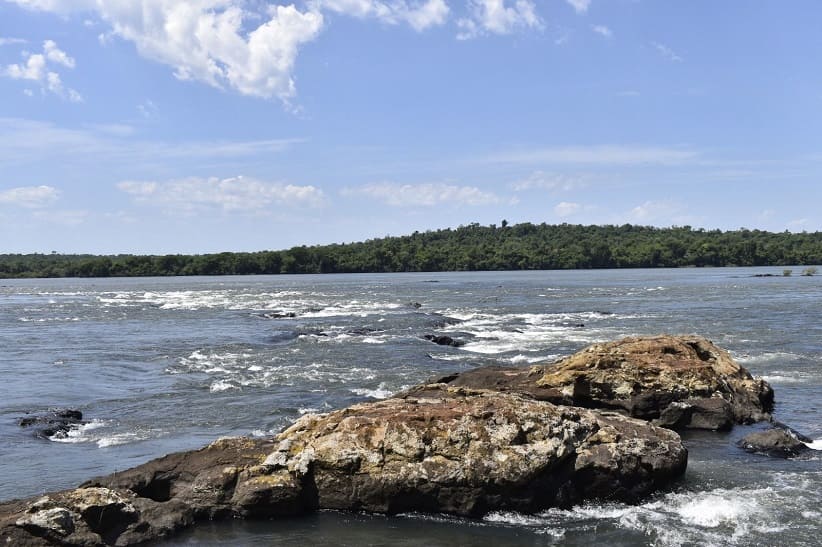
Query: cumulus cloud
x,y
236,194
580,6
419,14
498,17
248,47
31,197
425,195
36,68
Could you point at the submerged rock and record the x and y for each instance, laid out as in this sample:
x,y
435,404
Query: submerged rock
x,y
444,340
56,423
677,381
443,449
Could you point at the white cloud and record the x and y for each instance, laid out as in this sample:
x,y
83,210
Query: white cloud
x,y
207,41
249,47
56,6
57,55
565,208
236,194
31,197
598,155
11,41
651,211
24,141
426,195
602,30
148,109
419,14
36,69
666,52
540,180
580,6
498,17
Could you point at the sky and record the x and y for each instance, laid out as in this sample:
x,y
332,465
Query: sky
x,y
195,126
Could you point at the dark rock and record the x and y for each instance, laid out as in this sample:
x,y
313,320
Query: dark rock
x,y
54,423
776,442
279,315
363,331
444,340
415,305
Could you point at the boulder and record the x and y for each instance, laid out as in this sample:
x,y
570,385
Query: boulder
x,y
468,452
779,442
679,382
443,449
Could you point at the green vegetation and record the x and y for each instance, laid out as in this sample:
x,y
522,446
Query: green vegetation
x,y
473,247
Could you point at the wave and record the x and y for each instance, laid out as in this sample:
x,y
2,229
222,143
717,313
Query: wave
x,y
381,392
98,432
815,445
716,517
493,334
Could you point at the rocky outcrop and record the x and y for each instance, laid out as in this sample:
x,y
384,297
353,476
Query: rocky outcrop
x,y
677,381
442,449
468,452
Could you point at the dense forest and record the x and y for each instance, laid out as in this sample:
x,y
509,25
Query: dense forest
x,y
519,247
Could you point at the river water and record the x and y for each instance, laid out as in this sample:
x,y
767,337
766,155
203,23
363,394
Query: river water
x,y
165,364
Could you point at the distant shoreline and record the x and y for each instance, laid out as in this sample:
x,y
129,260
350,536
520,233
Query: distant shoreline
x,y
467,248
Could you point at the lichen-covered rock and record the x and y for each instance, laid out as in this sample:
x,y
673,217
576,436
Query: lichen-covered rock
x,y
445,449
468,452
677,381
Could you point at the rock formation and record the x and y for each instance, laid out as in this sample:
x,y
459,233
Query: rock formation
x,y
450,450
677,381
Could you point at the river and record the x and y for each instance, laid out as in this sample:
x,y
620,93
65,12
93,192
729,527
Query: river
x,y
165,364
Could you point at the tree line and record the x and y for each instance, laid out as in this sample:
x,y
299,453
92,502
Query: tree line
x,y
466,248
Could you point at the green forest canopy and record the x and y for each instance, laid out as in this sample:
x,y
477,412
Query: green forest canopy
x,y
519,247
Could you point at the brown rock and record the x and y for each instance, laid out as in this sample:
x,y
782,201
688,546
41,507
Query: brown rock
x,y
679,381
449,450
468,452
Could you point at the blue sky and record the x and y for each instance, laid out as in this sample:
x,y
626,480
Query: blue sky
x,y
160,126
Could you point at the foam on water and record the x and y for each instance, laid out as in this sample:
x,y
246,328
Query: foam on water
x,y
493,334
381,392
714,517
77,433
99,432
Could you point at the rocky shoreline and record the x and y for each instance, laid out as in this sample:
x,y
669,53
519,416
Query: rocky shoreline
x,y
597,425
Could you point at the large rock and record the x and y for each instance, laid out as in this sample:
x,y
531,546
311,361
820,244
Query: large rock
x,y
780,442
442,449
468,452
678,381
